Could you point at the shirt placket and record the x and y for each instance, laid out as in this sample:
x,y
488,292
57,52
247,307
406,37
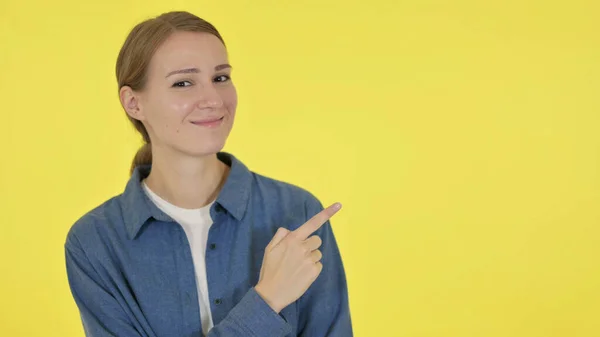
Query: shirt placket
x,y
192,323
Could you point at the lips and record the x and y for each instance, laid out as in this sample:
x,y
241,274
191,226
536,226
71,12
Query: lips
x,y
209,122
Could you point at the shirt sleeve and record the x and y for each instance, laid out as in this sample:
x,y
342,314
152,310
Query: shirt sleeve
x,y
324,307
252,316
100,312
103,316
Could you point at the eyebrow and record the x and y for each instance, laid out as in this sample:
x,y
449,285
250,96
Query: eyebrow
x,y
196,70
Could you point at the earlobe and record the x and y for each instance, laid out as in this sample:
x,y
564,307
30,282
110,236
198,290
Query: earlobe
x,y
130,102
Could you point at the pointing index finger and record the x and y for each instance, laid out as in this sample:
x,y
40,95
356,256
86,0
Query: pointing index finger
x,y
312,225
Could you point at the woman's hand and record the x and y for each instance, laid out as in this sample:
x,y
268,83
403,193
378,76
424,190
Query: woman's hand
x,y
292,261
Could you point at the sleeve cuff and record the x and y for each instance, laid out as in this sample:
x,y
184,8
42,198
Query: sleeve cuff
x,y
254,314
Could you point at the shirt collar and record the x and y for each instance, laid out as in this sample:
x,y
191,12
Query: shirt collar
x,y
233,197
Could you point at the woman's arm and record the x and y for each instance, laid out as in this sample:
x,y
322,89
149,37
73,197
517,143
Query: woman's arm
x,y
324,308
103,316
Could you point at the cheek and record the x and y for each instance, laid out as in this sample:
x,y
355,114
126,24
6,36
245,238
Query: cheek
x,y
179,107
167,114
166,106
230,101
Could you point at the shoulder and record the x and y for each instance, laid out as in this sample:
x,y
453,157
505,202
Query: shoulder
x,y
91,227
290,198
282,189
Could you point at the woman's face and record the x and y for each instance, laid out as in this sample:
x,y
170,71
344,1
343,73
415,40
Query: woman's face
x,y
189,102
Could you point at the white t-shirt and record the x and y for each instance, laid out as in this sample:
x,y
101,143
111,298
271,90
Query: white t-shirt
x,y
195,223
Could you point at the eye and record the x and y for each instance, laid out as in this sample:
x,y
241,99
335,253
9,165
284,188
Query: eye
x,y
222,78
182,84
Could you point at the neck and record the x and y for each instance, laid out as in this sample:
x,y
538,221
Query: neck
x,y
187,182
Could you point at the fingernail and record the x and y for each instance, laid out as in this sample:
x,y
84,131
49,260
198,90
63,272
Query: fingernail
x,y
337,206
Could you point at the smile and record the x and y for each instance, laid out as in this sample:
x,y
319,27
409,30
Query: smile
x,y
209,123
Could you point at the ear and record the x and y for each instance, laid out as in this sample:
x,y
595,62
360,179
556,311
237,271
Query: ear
x,y
130,100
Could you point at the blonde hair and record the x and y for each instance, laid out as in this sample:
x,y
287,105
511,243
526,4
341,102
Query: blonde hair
x,y
136,53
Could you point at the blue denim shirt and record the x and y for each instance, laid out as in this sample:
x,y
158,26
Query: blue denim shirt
x,y
130,268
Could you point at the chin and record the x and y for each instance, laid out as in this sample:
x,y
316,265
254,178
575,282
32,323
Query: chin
x,y
206,149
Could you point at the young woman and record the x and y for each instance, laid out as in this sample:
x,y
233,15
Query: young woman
x,y
197,244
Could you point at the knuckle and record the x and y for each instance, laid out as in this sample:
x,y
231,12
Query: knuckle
x,y
308,261
294,235
318,268
305,250
297,247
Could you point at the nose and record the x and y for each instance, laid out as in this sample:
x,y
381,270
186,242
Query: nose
x,y
209,97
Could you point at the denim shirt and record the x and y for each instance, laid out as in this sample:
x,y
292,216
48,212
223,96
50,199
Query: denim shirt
x,y
131,274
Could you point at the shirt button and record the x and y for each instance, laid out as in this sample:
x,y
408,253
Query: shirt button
x,y
218,301
213,246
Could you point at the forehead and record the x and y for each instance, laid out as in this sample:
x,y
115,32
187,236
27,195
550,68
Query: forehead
x,y
188,49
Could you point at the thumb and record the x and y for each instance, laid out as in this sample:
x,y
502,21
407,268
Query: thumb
x,y
279,235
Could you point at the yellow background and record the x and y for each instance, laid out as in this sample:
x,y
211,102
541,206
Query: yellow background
x,y
462,137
